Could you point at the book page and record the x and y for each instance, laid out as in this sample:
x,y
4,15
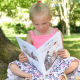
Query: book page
x,y
47,53
30,51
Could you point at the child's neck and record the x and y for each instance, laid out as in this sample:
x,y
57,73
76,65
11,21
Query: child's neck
x,y
49,31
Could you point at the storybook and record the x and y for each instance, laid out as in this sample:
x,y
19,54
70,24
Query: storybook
x,y
45,56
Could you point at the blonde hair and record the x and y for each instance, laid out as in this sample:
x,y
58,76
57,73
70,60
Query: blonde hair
x,y
39,7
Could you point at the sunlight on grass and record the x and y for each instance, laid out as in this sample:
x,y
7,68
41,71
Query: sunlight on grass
x,y
21,35
72,43
72,39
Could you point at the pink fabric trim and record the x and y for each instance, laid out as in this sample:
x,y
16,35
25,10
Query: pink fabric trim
x,y
39,40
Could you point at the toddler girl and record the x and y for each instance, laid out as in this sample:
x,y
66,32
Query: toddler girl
x,y
40,16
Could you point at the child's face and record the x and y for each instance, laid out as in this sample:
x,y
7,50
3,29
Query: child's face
x,y
41,23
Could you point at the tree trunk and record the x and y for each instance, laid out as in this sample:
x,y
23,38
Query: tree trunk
x,y
63,25
8,51
67,27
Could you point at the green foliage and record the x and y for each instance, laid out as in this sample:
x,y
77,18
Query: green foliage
x,y
15,28
31,28
75,15
68,10
74,28
10,6
4,24
59,26
19,11
18,27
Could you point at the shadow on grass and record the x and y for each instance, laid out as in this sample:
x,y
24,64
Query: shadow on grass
x,y
14,41
3,74
72,43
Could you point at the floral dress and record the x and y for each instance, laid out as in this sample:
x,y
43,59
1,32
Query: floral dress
x,y
58,69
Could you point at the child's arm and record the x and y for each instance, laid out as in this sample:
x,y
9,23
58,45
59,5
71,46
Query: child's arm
x,y
29,38
22,57
64,52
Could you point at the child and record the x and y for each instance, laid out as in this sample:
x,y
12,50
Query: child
x,y
40,16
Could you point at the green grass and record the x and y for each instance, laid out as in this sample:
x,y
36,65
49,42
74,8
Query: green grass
x,y
14,41
72,43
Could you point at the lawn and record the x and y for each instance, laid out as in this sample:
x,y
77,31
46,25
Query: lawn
x,y
72,43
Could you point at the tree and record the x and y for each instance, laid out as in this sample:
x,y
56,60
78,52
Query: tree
x,y
75,14
8,51
65,8
9,6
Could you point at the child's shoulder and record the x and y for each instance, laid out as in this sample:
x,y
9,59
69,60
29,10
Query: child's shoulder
x,y
29,38
55,30
30,33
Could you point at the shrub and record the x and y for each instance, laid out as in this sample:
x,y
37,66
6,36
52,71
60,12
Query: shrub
x,y
18,27
31,28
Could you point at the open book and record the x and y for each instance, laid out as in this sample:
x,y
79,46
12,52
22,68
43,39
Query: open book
x,y
43,57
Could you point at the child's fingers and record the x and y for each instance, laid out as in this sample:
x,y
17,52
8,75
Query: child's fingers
x,y
21,53
23,57
63,50
62,54
23,60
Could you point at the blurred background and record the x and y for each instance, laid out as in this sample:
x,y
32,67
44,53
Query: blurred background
x,y
14,21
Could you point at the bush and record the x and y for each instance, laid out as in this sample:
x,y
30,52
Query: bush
x,y
31,28
18,27
59,26
74,28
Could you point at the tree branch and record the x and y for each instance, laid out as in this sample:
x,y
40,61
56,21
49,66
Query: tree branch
x,y
72,7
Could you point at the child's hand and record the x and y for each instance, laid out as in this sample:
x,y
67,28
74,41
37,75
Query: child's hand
x,y
63,53
22,58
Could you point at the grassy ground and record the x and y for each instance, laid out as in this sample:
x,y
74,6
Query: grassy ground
x,y
72,43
